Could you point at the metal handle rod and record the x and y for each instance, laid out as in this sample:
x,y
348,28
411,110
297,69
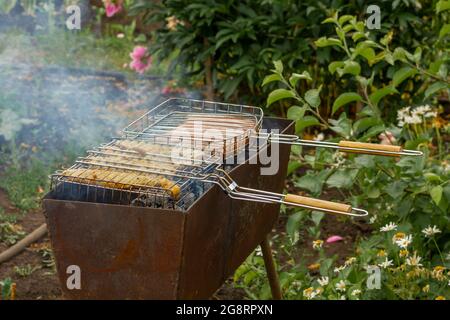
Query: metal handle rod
x,y
256,195
295,140
356,212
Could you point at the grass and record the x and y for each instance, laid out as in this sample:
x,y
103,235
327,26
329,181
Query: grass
x,y
10,233
10,218
81,49
26,270
24,185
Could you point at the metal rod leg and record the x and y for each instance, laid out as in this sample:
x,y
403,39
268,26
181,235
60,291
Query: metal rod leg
x,y
270,269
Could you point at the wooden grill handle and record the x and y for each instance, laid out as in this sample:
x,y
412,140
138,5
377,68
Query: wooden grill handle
x,y
321,204
370,146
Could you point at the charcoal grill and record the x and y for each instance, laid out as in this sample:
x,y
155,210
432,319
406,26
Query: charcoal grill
x,y
169,250
150,208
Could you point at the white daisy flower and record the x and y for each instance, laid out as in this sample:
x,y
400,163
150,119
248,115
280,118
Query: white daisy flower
x,y
356,292
350,261
430,231
317,244
319,137
414,119
386,263
414,261
404,242
389,227
323,281
403,112
432,114
421,110
310,293
340,286
339,269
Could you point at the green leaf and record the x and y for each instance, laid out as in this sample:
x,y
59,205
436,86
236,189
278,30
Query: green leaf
x,y
342,178
432,177
395,189
402,74
271,78
373,131
343,19
400,54
325,42
342,126
279,94
403,208
292,166
444,30
345,98
358,35
340,33
317,216
311,181
332,19
293,222
278,66
436,194
389,59
417,55
435,66
367,53
435,87
351,67
229,85
365,161
297,76
442,5
363,124
296,112
334,65
379,94
312,97
373,192
347,28
307,121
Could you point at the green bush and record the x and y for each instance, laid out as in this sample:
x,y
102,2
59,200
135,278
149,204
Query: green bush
x,y
408,199
229,45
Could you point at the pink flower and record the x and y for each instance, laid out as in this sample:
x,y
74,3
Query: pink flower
x,y
112,9
138,52
141,61
333,239
166,90
140,66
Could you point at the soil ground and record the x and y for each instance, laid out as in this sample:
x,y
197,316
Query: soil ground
x,y
43,282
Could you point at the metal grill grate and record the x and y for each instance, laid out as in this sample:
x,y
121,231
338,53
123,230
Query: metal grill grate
x,y
134,172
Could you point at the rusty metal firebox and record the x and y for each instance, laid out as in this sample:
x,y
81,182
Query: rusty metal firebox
x,y
129,252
